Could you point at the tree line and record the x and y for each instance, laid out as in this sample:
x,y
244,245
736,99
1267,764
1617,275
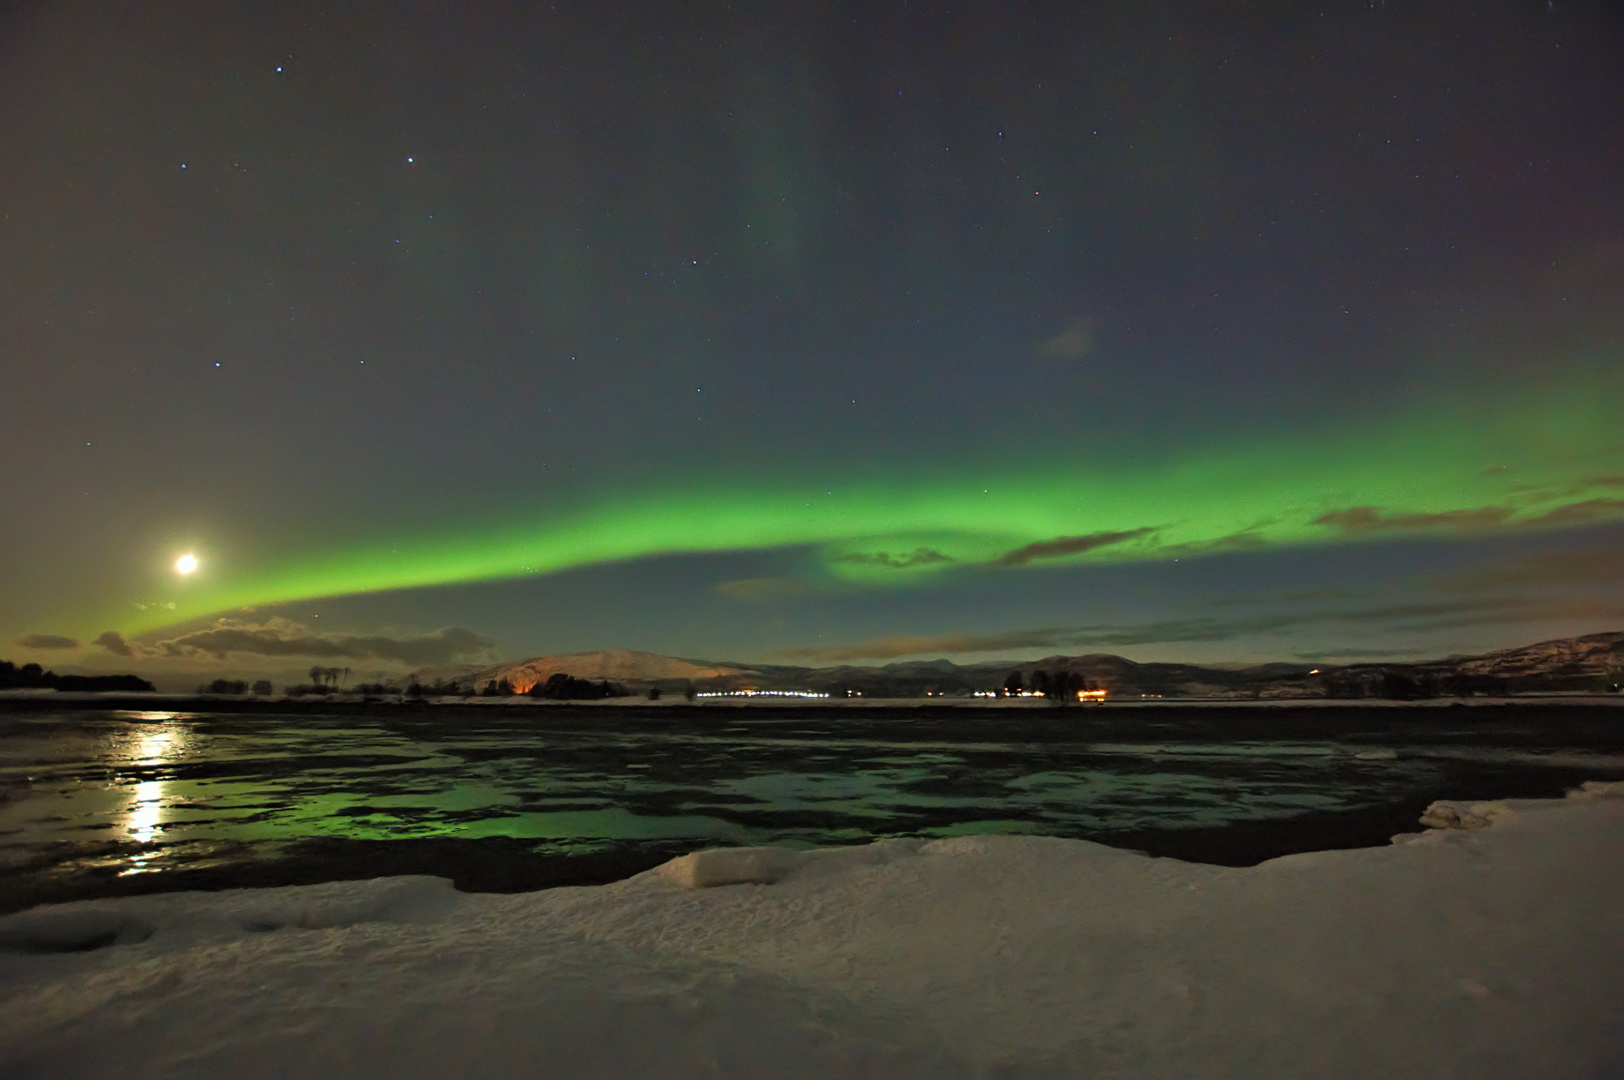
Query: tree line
x,y
1058,686
34,677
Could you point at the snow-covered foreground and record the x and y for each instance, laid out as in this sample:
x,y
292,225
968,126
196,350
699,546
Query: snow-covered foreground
x,y
1484,952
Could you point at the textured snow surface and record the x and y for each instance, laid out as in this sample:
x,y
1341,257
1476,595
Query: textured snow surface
x,y
1494,951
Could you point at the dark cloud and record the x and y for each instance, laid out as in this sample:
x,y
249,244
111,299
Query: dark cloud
x,y
886,561
114,642
1581,513
1348,656
888,648
1364,520
1334,593
280,637
1437,615
1062,546
1585,567
1369,519
1240,541
1484,610
1245,540
763,588
47,641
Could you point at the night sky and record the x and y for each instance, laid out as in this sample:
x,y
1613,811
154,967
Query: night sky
x,y
808,333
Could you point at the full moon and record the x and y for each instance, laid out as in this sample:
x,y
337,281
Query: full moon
x,y
186,564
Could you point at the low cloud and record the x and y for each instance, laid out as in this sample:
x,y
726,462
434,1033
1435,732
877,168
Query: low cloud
x,y
1581,513
1246,540
114,642
763,588
1072,343
1062,546
1585,568
889,648
47,641
1390,618
1364,520
1370,519
886,561
284,638
1469,612
1345,656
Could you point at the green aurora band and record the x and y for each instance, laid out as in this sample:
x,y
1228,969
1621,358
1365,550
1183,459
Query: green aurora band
x,y
1542,460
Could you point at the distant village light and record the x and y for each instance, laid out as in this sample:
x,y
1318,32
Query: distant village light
x,y
761,693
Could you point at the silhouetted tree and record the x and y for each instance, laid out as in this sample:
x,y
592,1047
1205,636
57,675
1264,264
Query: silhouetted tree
x,y
564,687
1060,687
34,677
1400,686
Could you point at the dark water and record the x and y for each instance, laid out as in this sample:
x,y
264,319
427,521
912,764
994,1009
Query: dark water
x,y
499,799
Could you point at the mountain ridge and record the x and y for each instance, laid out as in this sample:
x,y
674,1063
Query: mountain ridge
x,y
1591,662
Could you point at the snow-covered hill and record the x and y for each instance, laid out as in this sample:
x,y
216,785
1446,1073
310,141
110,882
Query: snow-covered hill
x,y
1593,654
1592,663
624,666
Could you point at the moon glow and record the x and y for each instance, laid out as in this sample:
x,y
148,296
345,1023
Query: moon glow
x,y
186,564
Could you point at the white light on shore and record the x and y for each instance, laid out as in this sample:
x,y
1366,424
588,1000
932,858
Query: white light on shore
x,y
760,693
186,564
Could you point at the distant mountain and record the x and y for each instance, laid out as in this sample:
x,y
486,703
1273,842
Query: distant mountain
x,y
1565,657
1594,663
627,667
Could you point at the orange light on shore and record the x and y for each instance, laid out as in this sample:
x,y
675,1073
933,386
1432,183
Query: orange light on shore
x,y
1091,695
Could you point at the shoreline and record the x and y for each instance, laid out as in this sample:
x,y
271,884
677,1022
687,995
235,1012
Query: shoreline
x,y
503,848
60,701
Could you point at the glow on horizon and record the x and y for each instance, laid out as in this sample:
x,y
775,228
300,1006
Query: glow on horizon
x,y
1550,459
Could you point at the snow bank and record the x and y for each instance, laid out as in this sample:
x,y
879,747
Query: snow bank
x,y
1464,952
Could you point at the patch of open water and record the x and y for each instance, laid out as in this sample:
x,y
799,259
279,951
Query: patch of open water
x,y
105,803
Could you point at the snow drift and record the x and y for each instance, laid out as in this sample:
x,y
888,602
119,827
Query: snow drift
x,y
1487,948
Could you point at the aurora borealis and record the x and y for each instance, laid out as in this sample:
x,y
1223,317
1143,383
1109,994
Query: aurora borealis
x,y
812,332
1424,476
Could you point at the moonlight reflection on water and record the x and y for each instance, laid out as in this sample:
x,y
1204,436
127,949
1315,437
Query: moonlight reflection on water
x,y
514,799
151,748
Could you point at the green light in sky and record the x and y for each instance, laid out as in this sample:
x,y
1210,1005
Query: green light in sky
x,y
1529,461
